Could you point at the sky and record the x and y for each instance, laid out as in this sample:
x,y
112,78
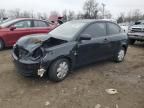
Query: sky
x,y
114,6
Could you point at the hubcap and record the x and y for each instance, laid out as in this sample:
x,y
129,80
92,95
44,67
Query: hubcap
x,y
62,70
121,55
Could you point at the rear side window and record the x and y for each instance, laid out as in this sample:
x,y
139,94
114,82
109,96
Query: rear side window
x,y
96,30
113,28
40,24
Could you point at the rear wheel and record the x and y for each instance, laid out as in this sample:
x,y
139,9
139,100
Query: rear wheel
x,y
1,44
131,41
59,70
119,57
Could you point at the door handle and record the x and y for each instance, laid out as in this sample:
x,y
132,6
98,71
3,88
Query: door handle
x,y
106,40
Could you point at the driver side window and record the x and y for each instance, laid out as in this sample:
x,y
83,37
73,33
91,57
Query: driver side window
x,y
23,24
96,30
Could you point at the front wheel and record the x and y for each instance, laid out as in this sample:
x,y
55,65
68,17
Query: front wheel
x,y
59,70
119,57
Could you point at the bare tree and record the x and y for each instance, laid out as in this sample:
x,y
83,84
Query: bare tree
x,y
91,9
137,15
121,18
131,16
80,15
65,16
26,14
54,16
108,15
15,13
71,15
38,15
2,13
44,16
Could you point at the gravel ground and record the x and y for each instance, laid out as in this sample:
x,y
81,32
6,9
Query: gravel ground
x,y
85,88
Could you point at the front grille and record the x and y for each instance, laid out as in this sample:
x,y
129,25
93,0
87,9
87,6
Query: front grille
x,y
137,30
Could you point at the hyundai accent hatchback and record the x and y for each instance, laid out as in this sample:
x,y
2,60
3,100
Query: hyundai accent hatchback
x,y
73,44
13,29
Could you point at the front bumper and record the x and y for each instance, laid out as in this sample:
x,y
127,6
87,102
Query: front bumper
x,y
26,68
136,36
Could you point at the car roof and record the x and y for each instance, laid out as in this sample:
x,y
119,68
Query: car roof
x,y
91,20
29,19
13,20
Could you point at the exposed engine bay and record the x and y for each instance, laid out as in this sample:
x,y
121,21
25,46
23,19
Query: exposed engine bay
x,y
36,49
53,42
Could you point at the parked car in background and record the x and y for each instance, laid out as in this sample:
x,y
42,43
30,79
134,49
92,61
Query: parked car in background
x,y
6,20
136,32
2,20
13,29
70,45
124,26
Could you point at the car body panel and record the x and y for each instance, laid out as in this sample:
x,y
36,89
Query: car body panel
x,y
77,52
11,36
95,49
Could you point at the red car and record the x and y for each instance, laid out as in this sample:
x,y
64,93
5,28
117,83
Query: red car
x,y
12,30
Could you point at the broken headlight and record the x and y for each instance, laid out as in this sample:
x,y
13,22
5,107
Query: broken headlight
x,y
37,54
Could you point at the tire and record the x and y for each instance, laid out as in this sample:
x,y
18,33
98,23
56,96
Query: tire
x,y
131,41
59,70
1,44
120,55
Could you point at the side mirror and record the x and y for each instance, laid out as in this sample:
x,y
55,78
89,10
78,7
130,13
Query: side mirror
x,y
12,28
85,37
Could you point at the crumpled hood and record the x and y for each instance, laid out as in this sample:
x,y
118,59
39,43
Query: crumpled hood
x,y
32,42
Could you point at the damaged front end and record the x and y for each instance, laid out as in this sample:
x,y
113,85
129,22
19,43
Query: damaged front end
x,y
27,63
28,54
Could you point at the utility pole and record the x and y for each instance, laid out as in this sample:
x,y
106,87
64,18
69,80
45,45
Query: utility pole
x,y
103,5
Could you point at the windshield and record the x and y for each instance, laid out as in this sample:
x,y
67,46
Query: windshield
x,y
8,22
68,30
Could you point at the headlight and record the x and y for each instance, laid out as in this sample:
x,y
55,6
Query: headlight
x,y
37,54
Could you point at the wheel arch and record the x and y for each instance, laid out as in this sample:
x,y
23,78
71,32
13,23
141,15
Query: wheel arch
x,y
124,46
62,57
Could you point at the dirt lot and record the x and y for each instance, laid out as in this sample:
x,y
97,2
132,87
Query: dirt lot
x,y
85,88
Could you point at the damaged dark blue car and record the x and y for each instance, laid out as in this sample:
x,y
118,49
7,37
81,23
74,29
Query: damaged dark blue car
x,y
70,45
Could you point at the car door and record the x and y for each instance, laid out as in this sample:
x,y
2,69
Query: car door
x,y
18,30
114,35
95,49
41,27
